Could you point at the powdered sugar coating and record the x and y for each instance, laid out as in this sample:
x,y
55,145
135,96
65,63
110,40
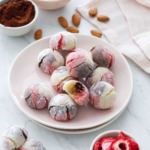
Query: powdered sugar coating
x,y
17,135
100,74
102,56
32,144
49,60
38,95
6,144
59,77
63,41
62,107
102,95
79,64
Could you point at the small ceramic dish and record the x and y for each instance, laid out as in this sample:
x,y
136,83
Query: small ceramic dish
x,y
51,4
111,134
18,31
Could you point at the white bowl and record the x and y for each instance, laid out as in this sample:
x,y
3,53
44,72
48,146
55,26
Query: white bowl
x,y
111,133
51,4
18,31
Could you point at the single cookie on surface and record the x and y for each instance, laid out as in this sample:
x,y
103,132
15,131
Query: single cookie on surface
x,y
38,95
102,56
59,77
102,95
77,91
14,136
63,41
100,74
7,144
49,60
79,64
62,107
32,144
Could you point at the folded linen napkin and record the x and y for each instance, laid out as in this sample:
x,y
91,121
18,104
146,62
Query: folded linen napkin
x,y
144,2
117,30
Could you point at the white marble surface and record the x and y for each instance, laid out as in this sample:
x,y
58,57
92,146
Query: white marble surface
x,y
134,120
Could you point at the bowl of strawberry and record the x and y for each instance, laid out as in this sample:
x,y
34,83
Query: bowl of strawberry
x,y
114,140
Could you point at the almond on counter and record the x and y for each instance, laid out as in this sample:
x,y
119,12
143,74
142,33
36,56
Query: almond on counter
x,y
96,33
102,18
76,19
38,34
72,29
63,21
93,12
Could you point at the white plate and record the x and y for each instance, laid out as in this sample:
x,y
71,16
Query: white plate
x,y
80,131
24,71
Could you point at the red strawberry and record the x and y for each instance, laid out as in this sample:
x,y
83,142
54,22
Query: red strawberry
x,y
120,144
97,146
123,135
103,144
124,143
133,144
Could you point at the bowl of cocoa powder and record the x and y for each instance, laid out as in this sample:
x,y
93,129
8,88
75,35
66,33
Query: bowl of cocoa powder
x,y
17,17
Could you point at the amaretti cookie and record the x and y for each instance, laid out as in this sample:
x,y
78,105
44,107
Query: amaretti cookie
x,y
62,107
38,95
49,60
63,41
102,95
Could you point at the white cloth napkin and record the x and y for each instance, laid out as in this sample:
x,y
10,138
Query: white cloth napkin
x,y
122,30
144,2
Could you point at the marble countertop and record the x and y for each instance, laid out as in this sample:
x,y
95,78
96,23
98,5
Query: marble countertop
x,y
134,120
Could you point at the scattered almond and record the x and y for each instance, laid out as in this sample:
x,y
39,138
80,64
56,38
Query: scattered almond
x,y
38,34
72,29
63,21
93,12
102,18
96,33
76,18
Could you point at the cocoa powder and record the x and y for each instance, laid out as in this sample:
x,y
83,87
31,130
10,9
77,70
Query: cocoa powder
x,y
16,13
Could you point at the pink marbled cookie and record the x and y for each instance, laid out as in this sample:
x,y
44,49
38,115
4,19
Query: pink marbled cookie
x,y
102,56
63,41
13,137
79,64
32,144
102,95
100,74
38,95
62,107
49,60
59,77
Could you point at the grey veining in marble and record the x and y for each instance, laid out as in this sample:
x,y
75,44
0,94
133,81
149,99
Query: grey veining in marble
x,y
134,120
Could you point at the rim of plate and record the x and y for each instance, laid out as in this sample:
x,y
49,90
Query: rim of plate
x,y
70,127
84,131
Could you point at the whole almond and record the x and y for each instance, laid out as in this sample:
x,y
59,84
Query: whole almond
x,y
38,34
72,29
76,18
102,18
93,12
63,21
96,33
